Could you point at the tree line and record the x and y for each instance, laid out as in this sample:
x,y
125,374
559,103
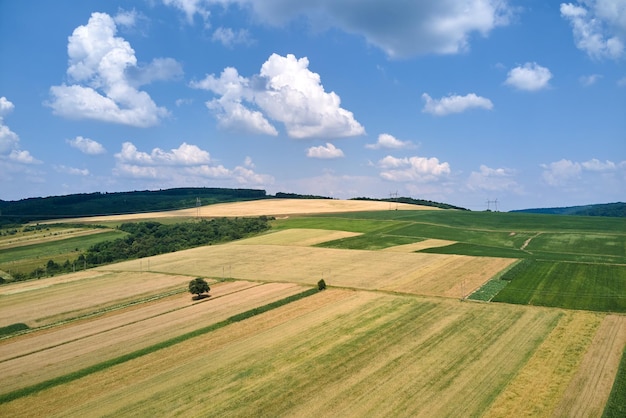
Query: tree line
x,y
146,239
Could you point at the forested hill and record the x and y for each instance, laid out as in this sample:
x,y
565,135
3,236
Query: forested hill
x,y
90,204
411,201
617,209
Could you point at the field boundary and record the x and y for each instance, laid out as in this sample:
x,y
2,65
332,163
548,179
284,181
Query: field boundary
x,y
47,384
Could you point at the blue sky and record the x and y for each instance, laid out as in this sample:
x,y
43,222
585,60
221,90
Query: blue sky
x,y
459,101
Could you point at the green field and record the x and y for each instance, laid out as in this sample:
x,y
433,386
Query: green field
x,y
26,258
595,287
580,262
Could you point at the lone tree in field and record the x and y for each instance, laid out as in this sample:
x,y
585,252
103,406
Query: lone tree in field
x,y
198,286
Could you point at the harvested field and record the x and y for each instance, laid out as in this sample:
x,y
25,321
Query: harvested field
x,y
550,369
61,351
298,237
589,390
359,352
422,245
46,301
269,207
417,273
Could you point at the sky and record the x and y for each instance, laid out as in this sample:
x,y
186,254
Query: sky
x,y
466,102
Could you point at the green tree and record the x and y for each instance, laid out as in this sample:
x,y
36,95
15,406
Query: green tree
x,y
321,285
198,286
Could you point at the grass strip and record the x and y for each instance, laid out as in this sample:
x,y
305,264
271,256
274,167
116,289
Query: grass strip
x,y
30,390
616,405
12,329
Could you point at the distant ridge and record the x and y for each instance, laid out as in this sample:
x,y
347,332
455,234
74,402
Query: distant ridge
x,y
617,209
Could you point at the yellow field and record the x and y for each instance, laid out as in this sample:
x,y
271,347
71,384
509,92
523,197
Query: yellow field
x,y
417,273
269,207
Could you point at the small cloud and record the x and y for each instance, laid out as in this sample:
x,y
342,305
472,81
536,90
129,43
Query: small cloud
x,y
324,152
126,18
230,38
415,168
597,165
530,77
386,141
86,145
72,171
621,82
492,179
454,104
23,157
181,102
589,80
560,172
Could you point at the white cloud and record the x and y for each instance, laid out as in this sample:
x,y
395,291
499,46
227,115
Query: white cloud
x,y
530,77
599,26
597,165
22,157
187,164
86,145
398,27
10,141
589,80
127,18
105,69
560,172
192,7
415,168
286,91
386,141
492,179
72,171
454,104
184,155
325,152
230,38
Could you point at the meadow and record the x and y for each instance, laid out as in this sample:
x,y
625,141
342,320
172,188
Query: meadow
x,y
394,333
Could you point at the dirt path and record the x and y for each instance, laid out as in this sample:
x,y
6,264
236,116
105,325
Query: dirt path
x,y
523,247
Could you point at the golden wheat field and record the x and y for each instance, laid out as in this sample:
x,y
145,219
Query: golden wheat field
x,y
392,335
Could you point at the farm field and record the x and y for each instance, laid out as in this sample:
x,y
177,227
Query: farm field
x,y
424,274
361,352
23,252
392,335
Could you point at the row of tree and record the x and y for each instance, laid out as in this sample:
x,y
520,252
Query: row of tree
x,y
145,239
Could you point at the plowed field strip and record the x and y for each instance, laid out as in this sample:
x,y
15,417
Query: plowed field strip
x,y
539,386
50,338
589,391
63,359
